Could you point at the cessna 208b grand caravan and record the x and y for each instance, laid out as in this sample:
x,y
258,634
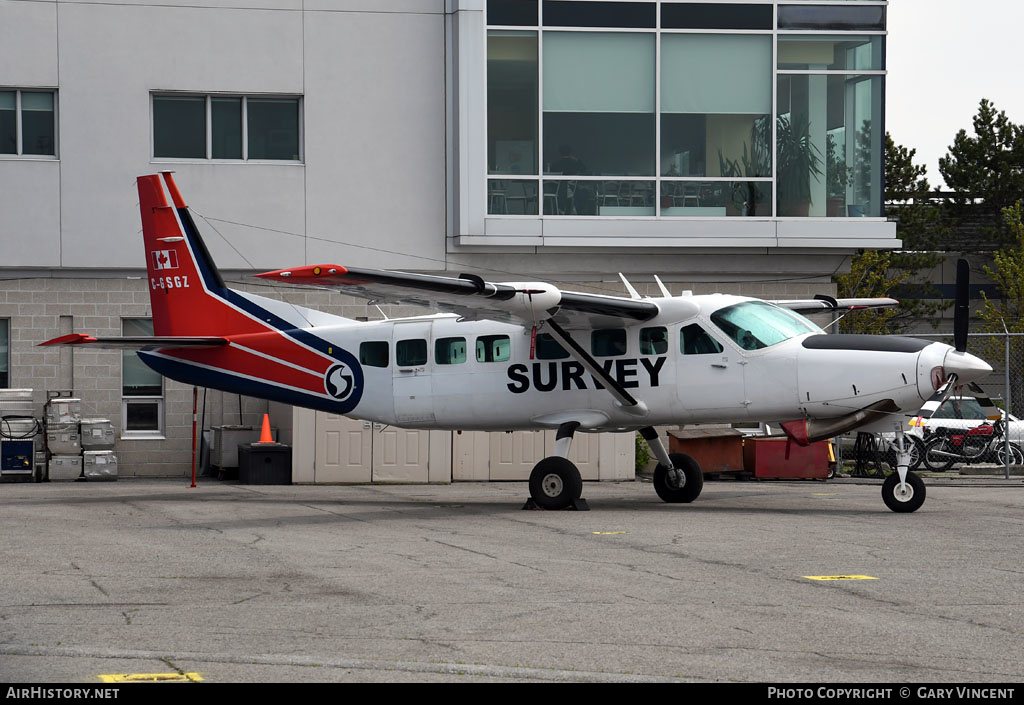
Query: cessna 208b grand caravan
x,y
526,355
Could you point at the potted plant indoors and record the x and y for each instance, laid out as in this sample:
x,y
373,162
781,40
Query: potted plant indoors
x,y
798,160
837,177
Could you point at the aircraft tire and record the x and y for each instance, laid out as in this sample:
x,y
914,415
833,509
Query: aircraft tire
x,y
555,483
910,501
690,489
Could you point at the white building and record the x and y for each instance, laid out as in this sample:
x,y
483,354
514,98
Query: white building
x,y
729,146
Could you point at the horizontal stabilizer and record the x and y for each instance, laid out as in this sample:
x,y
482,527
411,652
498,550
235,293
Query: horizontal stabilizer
x,y
147,342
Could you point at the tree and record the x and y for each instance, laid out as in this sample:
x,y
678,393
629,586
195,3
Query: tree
x,y
1006,313
900,274
988,165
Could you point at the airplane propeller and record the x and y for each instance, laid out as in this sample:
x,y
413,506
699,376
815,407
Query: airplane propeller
x,y
957,363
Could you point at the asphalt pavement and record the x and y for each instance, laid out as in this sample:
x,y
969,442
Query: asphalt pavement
x,y
232,583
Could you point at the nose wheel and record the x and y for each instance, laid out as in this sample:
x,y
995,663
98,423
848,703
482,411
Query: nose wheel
x,y
905,497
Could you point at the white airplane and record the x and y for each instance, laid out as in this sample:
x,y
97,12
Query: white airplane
x,y
526,355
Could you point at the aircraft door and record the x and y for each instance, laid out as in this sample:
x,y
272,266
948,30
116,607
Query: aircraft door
x,y
709,377
414,403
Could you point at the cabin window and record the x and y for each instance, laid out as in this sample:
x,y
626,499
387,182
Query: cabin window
x,y
693,340
409,353
550,349
374,353
450,351
493,348
608,342
653,341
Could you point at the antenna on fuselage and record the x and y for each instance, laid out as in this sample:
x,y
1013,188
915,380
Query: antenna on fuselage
x,y
629,287
664,291
377,306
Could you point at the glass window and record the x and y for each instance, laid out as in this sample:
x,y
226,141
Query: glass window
x,y
512,197
841,53
179,127
512,12
868,17
450,351
273,128
830,145
608,342
8,122
694,340
493,348
5,352
559,13
142,388
598,103
226,114
374,353
755,324
700,15
512,81
653,341
409,353
550,349
716,98
38,125
716,198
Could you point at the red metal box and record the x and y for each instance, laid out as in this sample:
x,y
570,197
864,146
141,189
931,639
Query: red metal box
x,y
766,458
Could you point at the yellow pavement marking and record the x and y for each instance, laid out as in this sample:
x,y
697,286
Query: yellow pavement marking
x,y
150,677
608,533
839,577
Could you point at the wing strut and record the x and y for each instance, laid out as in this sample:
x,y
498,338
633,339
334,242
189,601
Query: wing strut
x,y
624,398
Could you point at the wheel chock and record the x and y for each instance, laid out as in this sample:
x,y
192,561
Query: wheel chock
x,y
577,505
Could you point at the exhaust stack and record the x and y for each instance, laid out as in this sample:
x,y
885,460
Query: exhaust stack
x,y
803,432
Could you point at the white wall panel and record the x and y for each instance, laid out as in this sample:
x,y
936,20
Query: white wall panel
x,y
29,194
375,110
28,43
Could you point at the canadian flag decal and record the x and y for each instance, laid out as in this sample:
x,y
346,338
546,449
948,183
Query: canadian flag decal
x,y
165,259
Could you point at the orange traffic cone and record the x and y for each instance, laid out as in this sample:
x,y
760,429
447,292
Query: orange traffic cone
x,y
265,436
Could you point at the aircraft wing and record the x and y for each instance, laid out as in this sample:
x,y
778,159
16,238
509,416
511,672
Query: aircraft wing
x,y
827,303
148,342
471,297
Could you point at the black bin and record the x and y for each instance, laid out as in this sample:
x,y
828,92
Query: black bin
x,y
264,464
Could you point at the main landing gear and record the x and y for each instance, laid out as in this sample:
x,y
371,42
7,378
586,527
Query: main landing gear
x,y
555,482
677,478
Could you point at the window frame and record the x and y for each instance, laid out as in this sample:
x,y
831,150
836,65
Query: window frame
x,y
488,200
19,149
159,432
208,118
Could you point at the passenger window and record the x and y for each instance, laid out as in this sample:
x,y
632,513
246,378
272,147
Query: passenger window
x,y
493,348
694,341
607,342
409,353
550,349
450,351
653,341
374,353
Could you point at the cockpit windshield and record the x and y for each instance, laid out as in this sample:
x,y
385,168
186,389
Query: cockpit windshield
x,y
755,324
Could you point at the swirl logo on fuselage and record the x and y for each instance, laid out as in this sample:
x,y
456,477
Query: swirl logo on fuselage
x,y
339,381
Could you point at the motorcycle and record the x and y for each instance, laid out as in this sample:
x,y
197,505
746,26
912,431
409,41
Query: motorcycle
x,y
981,444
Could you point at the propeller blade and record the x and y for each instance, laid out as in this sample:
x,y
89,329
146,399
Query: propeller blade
x,y
961,308
936,400
992,413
